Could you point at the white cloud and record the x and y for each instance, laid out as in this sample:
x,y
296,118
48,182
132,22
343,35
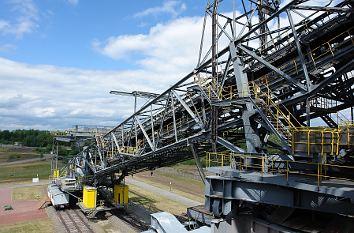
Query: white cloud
x,y
73,2
173,8
44,112
43,96
120,46
47,96
26,18
167,48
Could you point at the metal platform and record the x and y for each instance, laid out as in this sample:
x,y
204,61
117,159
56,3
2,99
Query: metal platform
x,y
92,212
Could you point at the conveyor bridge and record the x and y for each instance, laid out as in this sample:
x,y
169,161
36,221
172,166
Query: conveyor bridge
x,y
270,88
247,97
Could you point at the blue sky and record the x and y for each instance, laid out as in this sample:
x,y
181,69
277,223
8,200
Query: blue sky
x,y
60,58
61,32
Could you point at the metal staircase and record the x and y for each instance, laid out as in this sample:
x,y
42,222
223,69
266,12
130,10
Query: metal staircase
x,y
278,115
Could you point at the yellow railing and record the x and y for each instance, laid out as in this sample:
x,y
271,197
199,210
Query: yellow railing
x,y
318,170
123,149
288,168
228,92
319,140
225,93
284,113
328,45
128,149
236,161
346,134
322,140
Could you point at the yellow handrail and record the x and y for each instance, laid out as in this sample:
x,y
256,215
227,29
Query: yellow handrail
x,y
320,171
270,102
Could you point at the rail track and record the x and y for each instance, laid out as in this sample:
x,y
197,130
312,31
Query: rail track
x,y
73,221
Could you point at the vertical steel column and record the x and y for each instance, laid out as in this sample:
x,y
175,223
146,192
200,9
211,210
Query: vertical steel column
x,y
214,41
214,111
56,160
174,118
136,133
198,163
263,27
152,128
252,138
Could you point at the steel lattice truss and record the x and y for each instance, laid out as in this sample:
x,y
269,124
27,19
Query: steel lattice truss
x,y
295,58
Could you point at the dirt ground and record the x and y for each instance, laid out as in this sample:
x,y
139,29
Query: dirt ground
x,y
11,153
23,209
173,177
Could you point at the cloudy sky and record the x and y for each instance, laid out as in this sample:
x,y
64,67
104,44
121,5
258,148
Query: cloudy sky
x,y
60,58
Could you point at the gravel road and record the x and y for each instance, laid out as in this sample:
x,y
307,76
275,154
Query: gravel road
x,y
167,194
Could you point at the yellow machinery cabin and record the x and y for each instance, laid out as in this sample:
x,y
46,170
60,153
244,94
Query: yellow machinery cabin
x,y
121,194
89,197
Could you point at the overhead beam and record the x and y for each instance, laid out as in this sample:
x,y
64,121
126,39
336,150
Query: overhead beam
x,y
270,66
145,134
188,109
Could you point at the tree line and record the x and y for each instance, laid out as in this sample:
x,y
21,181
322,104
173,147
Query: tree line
x,y
31,137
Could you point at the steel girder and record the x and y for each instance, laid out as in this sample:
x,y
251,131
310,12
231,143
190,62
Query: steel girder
x,y
298,53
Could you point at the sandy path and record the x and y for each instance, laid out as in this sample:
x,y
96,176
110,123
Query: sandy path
x,y
167,194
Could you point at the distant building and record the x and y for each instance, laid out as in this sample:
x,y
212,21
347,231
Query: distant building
x,y
18,143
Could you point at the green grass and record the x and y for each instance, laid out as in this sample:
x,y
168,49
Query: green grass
x,y
181,179
188,162
17,172
20,156
178,189
154,202
28,193
44,226
15,154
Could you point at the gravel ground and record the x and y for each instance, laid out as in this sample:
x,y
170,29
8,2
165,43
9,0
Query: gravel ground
x,y
167,194
134,220
58,227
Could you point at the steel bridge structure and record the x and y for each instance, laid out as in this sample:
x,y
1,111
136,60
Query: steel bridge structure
x,y
268,76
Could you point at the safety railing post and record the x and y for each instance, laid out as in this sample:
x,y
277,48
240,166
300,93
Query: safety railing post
x,y
287,171
240,163
318,176
245,163
207,162
272,166
277,118
308,143
330,48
